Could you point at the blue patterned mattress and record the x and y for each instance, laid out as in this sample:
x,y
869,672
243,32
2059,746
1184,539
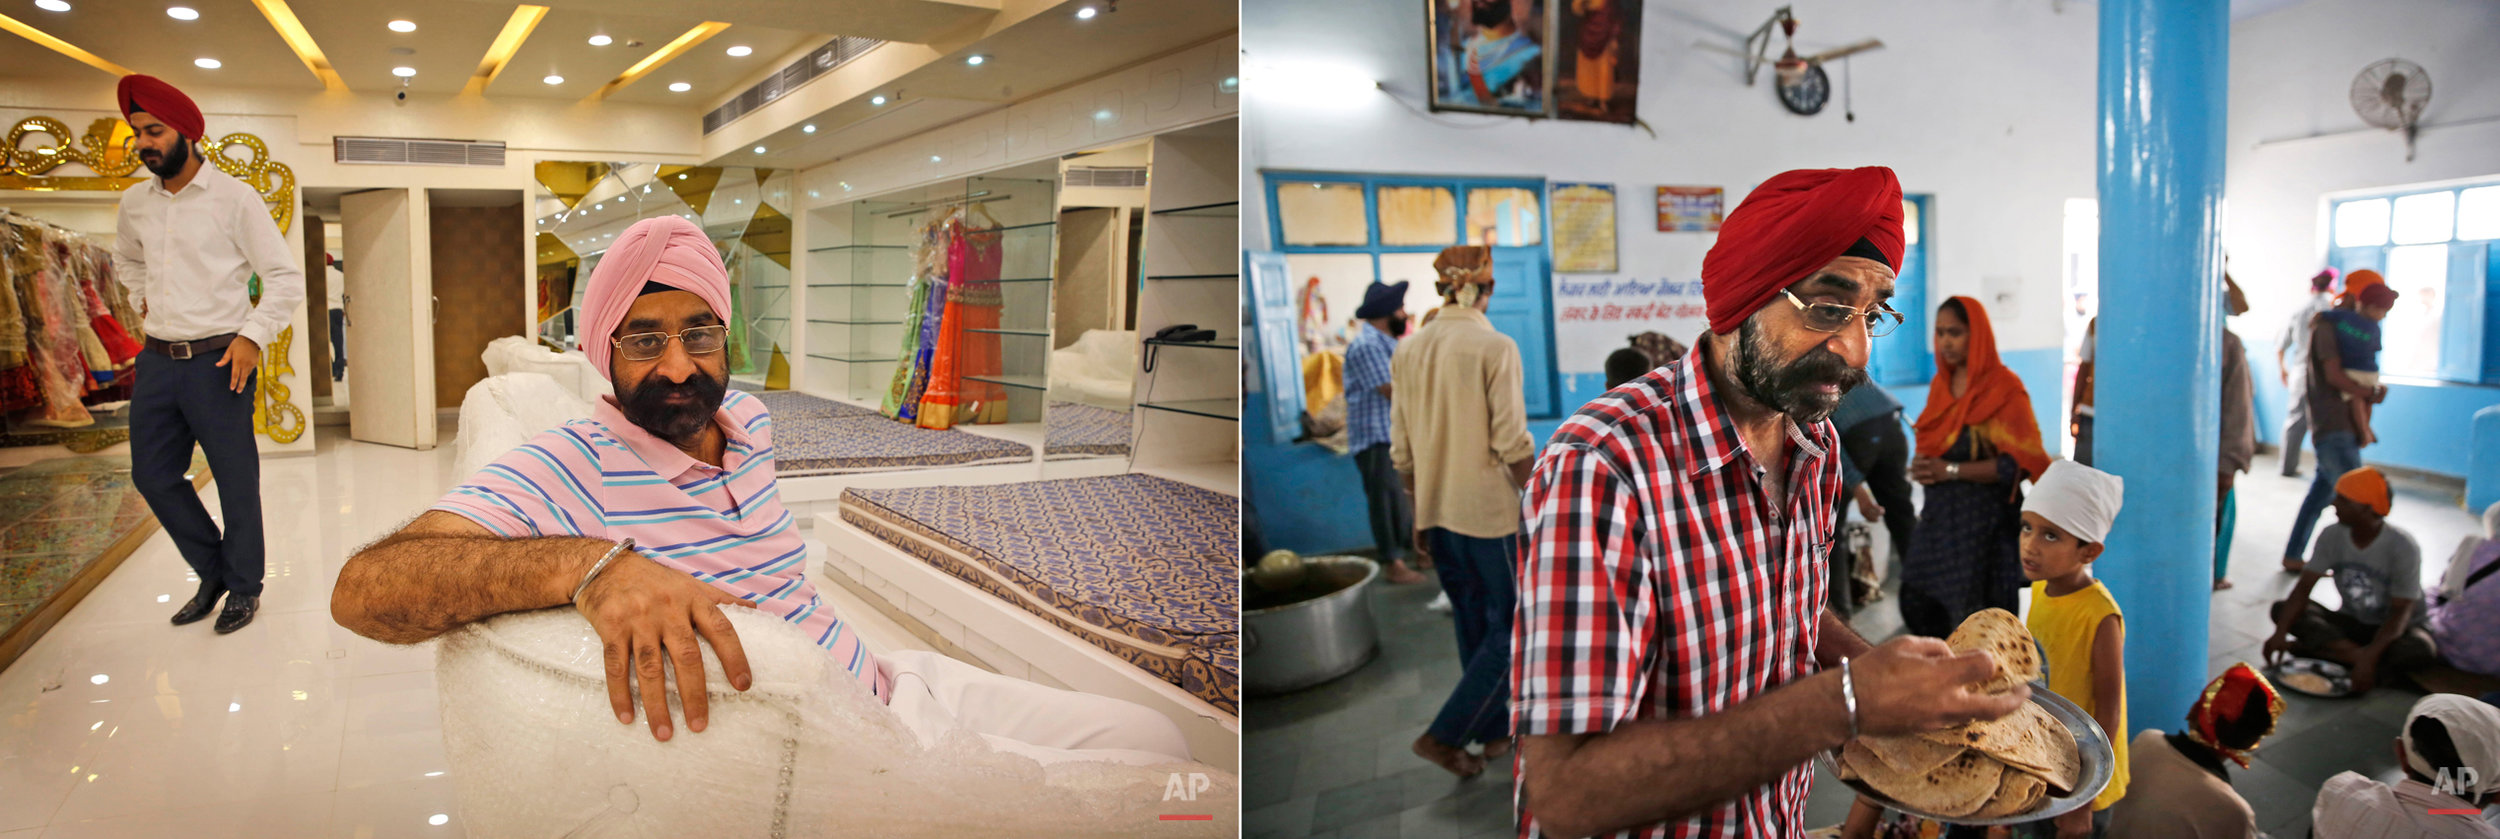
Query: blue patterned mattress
x,y
1145,568
791,404
832,445
1076,430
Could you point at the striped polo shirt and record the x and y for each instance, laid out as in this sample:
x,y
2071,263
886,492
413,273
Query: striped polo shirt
x,y
607,478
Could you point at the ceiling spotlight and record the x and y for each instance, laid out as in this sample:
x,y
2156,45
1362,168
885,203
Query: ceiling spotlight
x,y
403,26
601,40
877,100
598,206
207,63
553,80
403,72
182,13
759,149
741,51
52,5
679,87
936,159
809,128
1102,114
1086,13
976,60
681,176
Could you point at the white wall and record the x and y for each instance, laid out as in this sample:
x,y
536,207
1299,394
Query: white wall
x,y
1988,106
2290,76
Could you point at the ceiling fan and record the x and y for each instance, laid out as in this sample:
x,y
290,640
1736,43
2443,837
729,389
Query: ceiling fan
x,y
1800,81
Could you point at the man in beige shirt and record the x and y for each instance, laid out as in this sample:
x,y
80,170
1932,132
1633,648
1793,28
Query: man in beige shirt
x,y
1458,434
2179,785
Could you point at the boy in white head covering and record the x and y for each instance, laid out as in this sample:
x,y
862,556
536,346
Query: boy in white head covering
x,y
2066,522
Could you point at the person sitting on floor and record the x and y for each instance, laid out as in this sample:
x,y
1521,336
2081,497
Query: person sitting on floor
x,y
2177,785
2450,752
2466,605
2378,571
661,509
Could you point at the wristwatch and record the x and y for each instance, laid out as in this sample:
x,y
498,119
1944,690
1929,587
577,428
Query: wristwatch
x,y
1953,471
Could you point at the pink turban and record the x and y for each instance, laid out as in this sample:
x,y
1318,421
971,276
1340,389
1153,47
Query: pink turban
x,y
668,250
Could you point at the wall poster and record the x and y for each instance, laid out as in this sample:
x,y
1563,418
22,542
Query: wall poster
x,y
1690,208
1489,56
1584,228
1597,64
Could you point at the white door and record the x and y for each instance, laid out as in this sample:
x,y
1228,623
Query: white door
x,y
389,335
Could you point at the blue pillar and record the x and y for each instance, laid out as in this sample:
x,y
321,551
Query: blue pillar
x,y
2163,71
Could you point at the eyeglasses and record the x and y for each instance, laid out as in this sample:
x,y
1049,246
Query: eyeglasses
x,y
1830,317
699,340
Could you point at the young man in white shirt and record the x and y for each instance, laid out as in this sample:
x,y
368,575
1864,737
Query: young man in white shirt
x,y
189,244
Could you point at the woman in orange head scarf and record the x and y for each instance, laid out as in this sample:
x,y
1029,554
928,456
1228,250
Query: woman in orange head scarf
x,y
1977,442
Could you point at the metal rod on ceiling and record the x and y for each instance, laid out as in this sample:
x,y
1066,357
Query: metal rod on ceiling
x,y
924,206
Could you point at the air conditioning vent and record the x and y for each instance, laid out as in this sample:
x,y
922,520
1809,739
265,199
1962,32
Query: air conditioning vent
x,y
1129,177
824,59
415,152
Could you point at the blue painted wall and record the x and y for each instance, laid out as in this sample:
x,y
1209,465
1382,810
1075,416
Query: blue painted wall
x,y
2423,427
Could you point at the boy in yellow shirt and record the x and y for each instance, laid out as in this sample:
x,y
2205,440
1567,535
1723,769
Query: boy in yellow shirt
x,y
2066,521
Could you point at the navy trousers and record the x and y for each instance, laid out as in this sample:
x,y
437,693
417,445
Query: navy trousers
x,y
1484,594
179,404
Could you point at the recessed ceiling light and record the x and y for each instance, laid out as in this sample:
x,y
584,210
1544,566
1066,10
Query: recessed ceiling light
x,y
741,51
1086,13
759,149
553,80
601,40
681,176
403,72
403,26
679,87
598,206
809,128
936,159
976,60
52,5
878,100
438,819
207,63
182,13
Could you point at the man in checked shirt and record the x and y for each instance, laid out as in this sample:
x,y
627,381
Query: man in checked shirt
x,y
1675,666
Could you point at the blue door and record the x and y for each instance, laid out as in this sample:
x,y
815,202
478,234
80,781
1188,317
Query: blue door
x,y
1521,310
1271,304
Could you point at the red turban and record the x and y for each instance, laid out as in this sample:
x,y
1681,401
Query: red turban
x,y
668,250
153,95
1792,224
2224,702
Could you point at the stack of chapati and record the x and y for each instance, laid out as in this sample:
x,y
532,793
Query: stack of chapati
x,y
1980,770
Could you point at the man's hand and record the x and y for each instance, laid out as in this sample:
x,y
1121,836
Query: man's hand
x,y
643,611
2278,649
2378,394
1911,684
1867,507
242,357
2365,672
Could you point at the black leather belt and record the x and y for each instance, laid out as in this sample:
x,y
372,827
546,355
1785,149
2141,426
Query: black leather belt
x,y
186,350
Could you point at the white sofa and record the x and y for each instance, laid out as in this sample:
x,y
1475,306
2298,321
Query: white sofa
x,y
535,750
516,354
503,411
1100,369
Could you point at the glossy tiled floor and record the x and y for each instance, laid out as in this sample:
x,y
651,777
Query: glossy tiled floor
x,y
117,724
1333,760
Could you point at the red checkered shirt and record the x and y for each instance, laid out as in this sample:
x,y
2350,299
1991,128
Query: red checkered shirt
x,y
1659,582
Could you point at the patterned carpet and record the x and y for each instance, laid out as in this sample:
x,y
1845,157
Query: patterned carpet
x,y
1143,567
1075,430
57,517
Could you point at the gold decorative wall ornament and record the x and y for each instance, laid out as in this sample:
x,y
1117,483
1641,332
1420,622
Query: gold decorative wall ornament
x,y
105,151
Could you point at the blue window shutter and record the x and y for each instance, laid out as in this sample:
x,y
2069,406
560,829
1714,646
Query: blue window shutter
x,y
1521,310
1280,364
2462,328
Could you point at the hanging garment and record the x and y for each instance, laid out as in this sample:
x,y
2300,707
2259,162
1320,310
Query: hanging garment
x,y
983,300
939,402
60,365
902,399
932,319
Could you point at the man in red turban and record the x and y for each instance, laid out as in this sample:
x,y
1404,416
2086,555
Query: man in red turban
x,y
188,246
1676,664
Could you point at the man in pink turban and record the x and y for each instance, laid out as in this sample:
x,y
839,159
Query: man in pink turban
x,y
661,509
187,246
1676,664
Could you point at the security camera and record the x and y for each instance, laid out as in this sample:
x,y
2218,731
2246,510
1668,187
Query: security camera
x,y
402,96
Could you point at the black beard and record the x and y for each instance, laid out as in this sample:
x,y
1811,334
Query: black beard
x,y
1489,15
1397,328
170,164
679,424
1791,389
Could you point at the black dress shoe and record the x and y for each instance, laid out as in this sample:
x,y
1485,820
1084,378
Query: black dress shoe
x,y
201,604
239,611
